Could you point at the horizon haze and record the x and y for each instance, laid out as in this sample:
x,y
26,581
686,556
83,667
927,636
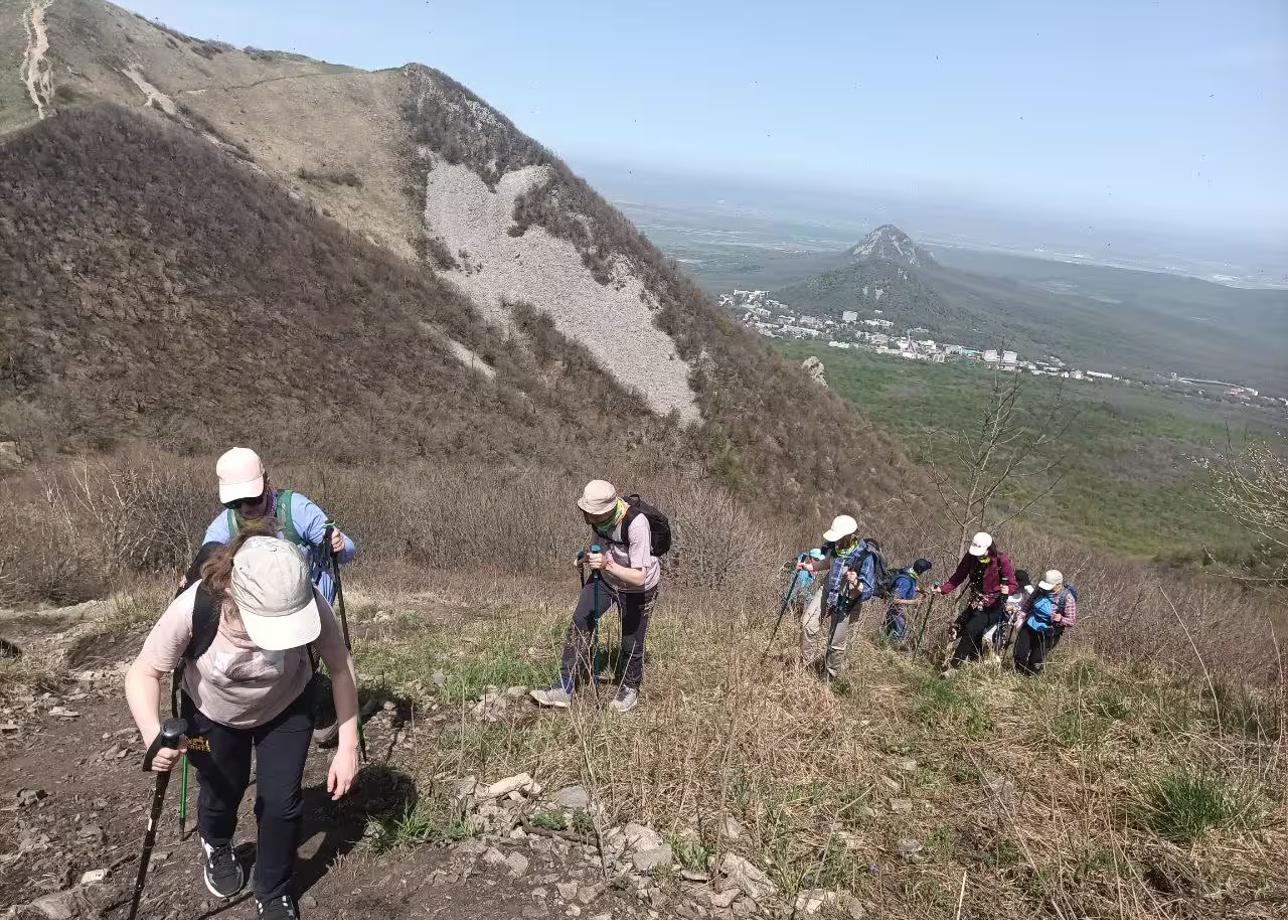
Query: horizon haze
x,y
1163,117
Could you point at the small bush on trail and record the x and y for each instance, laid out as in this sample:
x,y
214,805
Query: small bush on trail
x,y
939,701
432,821
1185,804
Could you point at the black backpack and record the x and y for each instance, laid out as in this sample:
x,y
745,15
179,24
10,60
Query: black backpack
x,y
659,525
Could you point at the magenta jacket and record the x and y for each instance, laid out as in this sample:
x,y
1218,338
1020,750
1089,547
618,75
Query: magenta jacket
x,y
996,569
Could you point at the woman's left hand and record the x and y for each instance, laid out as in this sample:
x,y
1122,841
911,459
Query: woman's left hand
x,y
344,767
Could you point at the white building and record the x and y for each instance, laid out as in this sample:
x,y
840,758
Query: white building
x,y
801,332
990,355
849,316
1009,357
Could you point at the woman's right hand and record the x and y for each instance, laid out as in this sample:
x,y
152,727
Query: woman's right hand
x,y
166,758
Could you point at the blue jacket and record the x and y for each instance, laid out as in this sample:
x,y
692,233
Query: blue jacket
x,y
310,523
859,556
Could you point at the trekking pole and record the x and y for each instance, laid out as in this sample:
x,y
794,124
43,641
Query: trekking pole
x,y
782,611
183,758
925,621
171,731
594,624
334,568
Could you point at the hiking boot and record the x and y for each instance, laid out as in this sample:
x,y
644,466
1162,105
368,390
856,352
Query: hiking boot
x,y
627,699
556,696
224,874
282,908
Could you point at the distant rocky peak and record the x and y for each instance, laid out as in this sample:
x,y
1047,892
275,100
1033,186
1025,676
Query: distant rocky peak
x,y
889,243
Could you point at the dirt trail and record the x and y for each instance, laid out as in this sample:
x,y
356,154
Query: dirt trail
x,y
36,71
154,97
73,801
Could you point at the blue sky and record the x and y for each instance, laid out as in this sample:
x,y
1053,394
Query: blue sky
x,y
1173,113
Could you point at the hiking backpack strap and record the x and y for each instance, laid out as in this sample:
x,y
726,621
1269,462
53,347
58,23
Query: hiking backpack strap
x,y
285,517
282,514
632,512
205,624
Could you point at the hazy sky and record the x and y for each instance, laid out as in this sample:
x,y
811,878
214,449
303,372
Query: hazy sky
x,y
1175,111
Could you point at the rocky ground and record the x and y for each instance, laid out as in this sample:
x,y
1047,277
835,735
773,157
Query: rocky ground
x,y
74,807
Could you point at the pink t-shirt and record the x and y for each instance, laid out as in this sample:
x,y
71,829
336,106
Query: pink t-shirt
x,y
236,683
633,554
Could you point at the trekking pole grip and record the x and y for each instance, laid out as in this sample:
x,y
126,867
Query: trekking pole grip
x,y
595,548
171,731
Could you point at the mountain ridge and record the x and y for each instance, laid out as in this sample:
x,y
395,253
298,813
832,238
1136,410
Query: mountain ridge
x,y
410,161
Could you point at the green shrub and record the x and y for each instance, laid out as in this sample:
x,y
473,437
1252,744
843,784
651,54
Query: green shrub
x,y
939,701
1185,804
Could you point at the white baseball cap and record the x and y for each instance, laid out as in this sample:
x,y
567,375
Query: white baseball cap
x,y
842,526
241,475
271,587
980,545
1051,580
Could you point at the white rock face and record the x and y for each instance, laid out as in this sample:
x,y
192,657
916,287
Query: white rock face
x,y
613,321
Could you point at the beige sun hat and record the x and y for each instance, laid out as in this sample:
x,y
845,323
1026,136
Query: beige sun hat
x,y
271,587
599,497
1053,579
241,475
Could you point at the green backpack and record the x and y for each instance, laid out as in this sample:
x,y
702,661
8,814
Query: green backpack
x,y
282,514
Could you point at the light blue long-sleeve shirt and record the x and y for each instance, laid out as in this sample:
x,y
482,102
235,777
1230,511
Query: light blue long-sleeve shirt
x,y
310,523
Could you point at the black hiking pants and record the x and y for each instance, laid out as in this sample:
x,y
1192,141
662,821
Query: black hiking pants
x,y
1032,648
579,653
281,747
973,625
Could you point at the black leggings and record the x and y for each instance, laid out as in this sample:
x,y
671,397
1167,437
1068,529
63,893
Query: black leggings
x,y
281,747
578,651
973,626
1032,648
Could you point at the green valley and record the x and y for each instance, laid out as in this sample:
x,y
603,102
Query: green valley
x,y
1133,476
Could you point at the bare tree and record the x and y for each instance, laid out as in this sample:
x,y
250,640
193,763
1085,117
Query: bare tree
x,y
995,472
1251,486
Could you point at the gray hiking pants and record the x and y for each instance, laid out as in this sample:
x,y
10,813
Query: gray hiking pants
x,y
813,623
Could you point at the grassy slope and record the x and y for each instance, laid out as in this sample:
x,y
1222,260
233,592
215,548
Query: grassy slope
x,y
1131,484
1100,791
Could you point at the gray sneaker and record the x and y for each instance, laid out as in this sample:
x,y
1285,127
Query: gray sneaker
x,y
556,696
627,699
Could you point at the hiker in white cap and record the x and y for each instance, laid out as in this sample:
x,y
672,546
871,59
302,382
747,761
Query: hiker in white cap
x,y
248,495
250,687
1047,613
631,534
851,566
991,579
